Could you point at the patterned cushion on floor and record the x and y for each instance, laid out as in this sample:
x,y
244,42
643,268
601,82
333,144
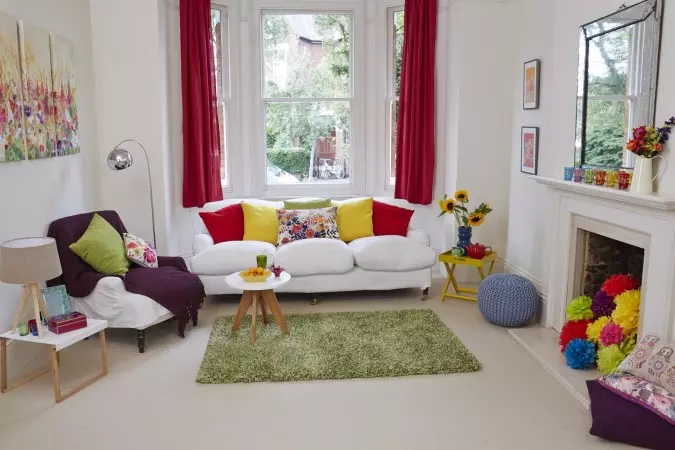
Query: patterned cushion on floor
x,y
507,300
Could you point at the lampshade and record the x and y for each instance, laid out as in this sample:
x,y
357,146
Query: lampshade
x,y
29,260
119,159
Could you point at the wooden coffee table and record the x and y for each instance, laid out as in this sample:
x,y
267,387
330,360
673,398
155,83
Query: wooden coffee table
x,y
259,294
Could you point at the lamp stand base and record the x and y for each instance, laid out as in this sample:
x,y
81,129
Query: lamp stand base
x,y
31,290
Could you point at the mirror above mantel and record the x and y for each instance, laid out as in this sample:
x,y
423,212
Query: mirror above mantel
x,y
617,81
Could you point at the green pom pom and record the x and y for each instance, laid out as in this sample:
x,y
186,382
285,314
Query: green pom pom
x,y
580,308
609,359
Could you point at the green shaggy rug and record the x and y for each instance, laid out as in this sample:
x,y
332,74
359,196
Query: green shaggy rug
x,y
335,346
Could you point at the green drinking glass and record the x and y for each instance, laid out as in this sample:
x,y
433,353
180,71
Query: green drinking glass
x,y
262,261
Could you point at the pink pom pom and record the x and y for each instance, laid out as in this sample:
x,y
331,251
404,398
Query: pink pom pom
x,y
611,334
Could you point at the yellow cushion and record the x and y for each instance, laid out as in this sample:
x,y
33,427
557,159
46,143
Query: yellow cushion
x,y
355,219
260,223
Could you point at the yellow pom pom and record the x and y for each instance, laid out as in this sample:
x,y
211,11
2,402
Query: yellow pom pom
x,y
593,330
627,312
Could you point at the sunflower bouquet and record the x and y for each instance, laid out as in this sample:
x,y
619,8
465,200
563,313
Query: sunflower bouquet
x,y
458,207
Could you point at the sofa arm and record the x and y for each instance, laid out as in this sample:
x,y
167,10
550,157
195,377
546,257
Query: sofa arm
x,y
202,242
172,261
420,236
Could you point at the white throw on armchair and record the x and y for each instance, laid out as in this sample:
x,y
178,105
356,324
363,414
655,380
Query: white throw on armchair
x,y
318,265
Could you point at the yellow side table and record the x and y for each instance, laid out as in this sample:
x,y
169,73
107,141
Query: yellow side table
x,y
451,263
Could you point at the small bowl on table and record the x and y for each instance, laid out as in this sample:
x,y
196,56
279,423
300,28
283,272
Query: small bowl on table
x,y
255,278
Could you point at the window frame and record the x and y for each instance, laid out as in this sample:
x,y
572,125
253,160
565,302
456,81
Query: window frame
x,y
225,92
392,96
258,100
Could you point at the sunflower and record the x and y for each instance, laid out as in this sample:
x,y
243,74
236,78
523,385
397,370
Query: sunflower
x,y
448,205
462,196
476,219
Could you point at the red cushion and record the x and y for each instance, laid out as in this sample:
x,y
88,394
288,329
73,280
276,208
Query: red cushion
x,y
390,220
226,224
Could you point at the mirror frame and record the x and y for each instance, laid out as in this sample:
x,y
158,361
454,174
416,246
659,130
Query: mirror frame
x,y
656,9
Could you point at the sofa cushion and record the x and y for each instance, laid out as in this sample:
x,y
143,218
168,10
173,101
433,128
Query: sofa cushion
x,y
653,360
230,257
140,252
226,224
102,247
260,223
391,254
299,224
314,257
307,203
390,219
355,218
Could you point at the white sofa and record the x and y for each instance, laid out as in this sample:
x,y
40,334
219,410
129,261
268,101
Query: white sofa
x,y
318,265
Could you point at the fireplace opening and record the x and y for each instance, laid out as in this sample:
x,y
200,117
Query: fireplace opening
x,y
603,257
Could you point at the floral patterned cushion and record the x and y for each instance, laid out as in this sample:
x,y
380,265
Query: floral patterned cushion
x,y
653,360
642,392
298,224
139,251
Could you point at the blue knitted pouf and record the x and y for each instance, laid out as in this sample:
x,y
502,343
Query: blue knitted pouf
x,y
507,300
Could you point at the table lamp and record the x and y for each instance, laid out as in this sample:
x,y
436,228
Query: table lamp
x,y
29,261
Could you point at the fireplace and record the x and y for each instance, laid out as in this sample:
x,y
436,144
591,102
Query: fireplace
x,y
639,227
598,257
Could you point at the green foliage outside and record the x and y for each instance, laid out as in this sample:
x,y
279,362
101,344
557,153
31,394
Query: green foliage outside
x,y
606,121
302,123
292,160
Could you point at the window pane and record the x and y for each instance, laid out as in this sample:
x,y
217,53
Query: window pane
x,y
306,55
222,120
398,49
394,131
307,142
609,63
606,131
217,39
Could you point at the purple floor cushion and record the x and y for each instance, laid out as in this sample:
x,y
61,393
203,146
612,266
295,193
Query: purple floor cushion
x,y
621,420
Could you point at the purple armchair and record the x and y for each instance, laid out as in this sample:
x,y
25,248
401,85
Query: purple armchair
x,y
139,299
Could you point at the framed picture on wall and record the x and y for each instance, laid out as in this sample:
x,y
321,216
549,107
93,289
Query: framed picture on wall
x,y
529,149
531,84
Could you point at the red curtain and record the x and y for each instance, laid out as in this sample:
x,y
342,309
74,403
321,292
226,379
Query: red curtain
x,y
415,149
201,130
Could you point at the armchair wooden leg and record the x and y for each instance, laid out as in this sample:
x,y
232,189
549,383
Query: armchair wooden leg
x,y
140,334
425,294
314,301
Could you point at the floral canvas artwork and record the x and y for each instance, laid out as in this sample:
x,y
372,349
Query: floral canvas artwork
x,y
531,85
529,150
12,144
63,96
38,110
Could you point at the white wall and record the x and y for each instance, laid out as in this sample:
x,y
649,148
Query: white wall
x,y
549,30
36,192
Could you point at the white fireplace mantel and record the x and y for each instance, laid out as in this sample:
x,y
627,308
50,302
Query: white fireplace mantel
x,y
646,221
653,201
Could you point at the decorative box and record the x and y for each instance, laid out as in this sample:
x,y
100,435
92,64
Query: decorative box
x,y
67,322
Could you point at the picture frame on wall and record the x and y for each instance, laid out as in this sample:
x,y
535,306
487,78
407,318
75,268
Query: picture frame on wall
x,y
531,84
529,150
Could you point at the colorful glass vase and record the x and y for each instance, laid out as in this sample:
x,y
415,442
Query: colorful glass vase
x,y
623,179
578,175
464,236
611,179
600,177
589,176
569,173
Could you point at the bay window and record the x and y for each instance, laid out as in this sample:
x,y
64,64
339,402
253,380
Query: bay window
x,y
395,23
219,31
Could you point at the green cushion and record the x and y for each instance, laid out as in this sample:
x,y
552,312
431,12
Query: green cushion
x,y
307,203
102,247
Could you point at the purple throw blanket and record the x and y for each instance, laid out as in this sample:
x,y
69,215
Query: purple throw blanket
x,y
171,284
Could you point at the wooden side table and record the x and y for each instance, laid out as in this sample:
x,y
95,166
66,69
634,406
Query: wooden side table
x,y
56,343
259,294
451,263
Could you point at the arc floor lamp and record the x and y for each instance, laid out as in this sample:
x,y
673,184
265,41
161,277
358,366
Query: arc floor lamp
x,y
120,159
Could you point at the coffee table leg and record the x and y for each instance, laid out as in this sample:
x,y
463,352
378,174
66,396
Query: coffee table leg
x,y
263,308
104,352
3,362
271,299
254,316
55,374
244,303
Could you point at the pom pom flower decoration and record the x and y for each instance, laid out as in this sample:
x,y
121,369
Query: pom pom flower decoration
x,y
602,330
594,329
572,330
602,304
611,334
580,308
580,354
618,284
627,312
458,207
